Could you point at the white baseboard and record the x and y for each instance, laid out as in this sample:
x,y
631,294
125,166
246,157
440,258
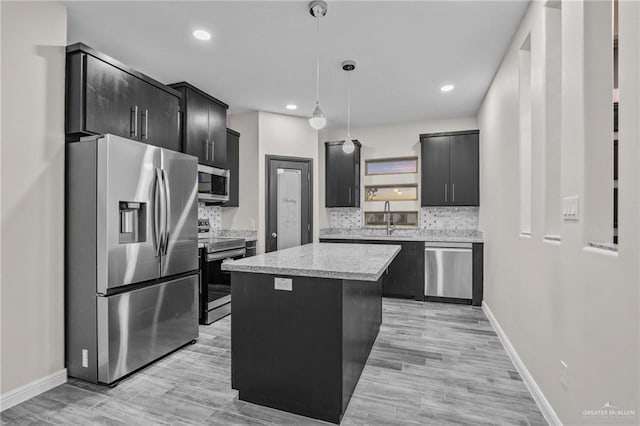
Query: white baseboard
x,y
545,407
35,388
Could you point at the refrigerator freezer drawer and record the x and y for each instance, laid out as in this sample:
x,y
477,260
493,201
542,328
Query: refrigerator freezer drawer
x,y
137,327
448,272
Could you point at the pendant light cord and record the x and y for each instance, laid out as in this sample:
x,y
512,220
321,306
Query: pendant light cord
x,y
349,104
318,59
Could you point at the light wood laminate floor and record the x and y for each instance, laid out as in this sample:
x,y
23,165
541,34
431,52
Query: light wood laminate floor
x,y
432,364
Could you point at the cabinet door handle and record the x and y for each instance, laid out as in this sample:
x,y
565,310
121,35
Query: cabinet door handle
x,y
144,132
133,121
206,148
453,192
212,149
445,192
349,195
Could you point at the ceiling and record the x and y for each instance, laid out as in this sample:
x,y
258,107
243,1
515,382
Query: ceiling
x,y
262,54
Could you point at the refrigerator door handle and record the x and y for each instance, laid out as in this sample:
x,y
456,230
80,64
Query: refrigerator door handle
x,y
167,210
163,211
157,208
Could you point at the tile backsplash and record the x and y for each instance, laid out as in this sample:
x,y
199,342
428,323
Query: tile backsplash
x,y
213,213
449,218
430,218
346,217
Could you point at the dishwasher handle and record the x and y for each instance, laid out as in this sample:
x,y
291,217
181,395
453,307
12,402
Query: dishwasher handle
x,y
450,249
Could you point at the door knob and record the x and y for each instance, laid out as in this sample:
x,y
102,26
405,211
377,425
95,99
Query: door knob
x,y
274,235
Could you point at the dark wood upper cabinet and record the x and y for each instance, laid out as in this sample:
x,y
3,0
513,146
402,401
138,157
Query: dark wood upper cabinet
x,y
464,170
110,97
159,118
218,133
204,125
195,125
105,96
450,169
342,175
435,171
233,164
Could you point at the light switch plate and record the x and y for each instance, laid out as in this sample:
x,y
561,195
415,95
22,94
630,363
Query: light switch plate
x,y
285,284
571,209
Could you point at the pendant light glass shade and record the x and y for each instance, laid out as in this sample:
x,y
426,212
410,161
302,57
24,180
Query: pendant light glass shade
x,y
317,119
348,146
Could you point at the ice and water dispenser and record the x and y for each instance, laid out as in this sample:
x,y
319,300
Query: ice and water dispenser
x,y
133,226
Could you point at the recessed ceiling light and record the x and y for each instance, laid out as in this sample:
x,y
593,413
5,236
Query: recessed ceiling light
x,y
447,88
292,107
202,35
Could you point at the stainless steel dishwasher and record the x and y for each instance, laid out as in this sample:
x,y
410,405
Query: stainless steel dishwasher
x,y
448,270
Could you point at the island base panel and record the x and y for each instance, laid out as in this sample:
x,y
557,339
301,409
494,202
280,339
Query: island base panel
x,y
303,350
361,319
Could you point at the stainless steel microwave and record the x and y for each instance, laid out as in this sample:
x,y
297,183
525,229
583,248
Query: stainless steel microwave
x,y
213,184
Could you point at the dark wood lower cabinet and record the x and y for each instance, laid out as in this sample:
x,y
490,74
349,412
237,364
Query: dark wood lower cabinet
x,y
406,273
405,276
478,274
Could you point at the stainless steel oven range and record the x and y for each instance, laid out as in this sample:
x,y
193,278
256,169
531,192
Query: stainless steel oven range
x,y
215,284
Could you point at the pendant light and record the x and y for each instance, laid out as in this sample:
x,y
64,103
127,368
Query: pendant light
x,y
317,8
348,146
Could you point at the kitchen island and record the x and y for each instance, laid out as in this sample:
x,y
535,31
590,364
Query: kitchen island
x,y
303,324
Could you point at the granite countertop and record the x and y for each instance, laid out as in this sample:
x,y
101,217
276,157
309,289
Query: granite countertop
x,y
435,235
362,262
246,234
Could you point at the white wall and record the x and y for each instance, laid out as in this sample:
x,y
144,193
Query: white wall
x,y
32,195
287,136
262,134
245,216
566,301
399,140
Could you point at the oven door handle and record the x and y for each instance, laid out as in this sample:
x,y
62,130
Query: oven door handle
x,y
212,257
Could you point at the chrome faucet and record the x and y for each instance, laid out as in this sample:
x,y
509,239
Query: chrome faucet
x,y
387,214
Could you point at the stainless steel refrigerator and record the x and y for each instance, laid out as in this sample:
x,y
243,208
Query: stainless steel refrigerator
x,y
131,255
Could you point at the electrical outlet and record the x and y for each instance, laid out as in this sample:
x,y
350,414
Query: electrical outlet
x,y
571,209
85,358
285,284
564,374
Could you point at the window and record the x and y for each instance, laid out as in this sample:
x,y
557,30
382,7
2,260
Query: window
x,y
389,166
407,192
397,218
